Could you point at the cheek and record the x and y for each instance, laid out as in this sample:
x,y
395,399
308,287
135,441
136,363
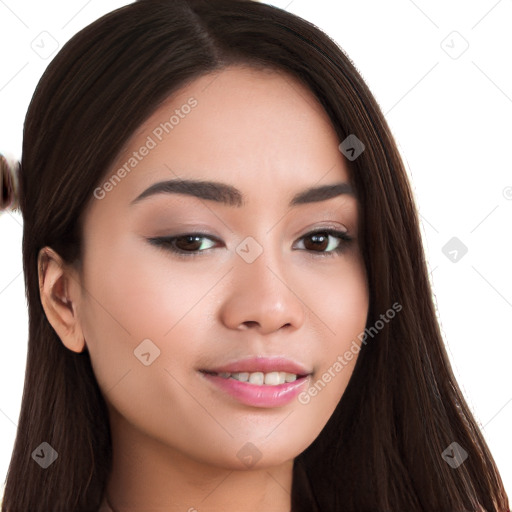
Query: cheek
x,y
138,305
340,310
134,293
339,303
137,293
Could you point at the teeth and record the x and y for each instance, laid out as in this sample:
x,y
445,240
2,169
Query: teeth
x,y
272,379
256,378
242,377
260,378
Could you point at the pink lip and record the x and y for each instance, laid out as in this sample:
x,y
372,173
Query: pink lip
x,y
261,364
252,394
259,396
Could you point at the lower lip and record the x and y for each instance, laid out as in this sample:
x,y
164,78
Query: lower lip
x,y
259,396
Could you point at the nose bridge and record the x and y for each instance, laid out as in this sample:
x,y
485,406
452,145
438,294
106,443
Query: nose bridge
x,y
259,290
258,263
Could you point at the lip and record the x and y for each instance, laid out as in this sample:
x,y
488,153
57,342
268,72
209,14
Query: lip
x,y
258,396
262,364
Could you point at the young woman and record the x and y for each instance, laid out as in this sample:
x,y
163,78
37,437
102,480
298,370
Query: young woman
x,y
229,303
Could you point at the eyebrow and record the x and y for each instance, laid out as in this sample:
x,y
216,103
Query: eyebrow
x,y
231,196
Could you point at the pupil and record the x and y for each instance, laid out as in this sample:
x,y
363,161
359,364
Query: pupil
x,y
189,240
318,242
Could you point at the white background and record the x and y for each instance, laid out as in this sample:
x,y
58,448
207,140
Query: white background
x,y
450,111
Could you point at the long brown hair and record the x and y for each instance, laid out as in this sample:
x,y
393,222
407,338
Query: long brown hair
x,y
382,448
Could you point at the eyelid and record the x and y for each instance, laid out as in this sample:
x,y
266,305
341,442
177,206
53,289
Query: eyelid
x,y
336,226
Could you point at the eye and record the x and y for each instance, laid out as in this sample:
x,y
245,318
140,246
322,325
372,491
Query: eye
x,y
322,241
190,245
186,245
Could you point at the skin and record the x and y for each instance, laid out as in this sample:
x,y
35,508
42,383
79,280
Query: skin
x,y
175,437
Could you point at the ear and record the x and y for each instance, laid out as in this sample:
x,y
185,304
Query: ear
x,y
59,289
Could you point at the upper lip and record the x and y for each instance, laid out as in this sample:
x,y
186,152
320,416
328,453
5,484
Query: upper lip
x,y
261,364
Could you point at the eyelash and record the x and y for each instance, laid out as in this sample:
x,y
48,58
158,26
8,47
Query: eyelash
x,y
167,242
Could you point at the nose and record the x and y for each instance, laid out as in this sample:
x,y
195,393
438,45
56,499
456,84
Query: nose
x,y
261,297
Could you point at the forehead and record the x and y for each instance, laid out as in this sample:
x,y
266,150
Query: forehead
x,y
259,130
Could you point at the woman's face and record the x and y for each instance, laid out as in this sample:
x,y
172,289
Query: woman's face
x,y
256,283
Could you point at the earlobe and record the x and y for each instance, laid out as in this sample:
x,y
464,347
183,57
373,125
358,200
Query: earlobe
x,y
59,292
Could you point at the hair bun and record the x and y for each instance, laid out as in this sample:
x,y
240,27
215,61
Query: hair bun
x,y
9,169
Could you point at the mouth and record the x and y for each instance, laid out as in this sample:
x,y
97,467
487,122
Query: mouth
x,y
261,371
259,378
257,389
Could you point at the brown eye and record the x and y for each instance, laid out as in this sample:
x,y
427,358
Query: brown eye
x,y
186,245
324,242
319,242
